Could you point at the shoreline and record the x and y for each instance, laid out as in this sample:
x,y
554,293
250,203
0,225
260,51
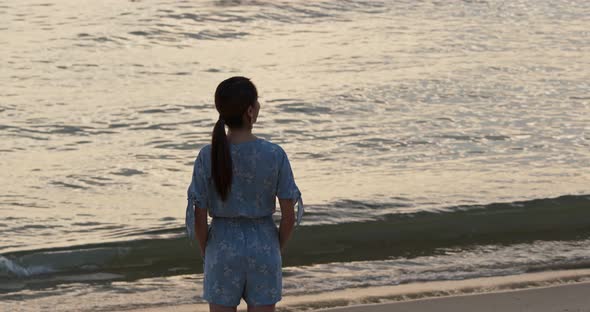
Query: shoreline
x,y
568,297
488,291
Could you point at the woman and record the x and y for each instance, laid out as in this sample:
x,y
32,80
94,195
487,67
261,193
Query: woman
x,y
236,179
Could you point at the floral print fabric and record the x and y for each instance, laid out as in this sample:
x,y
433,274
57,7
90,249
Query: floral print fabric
x,y
261,170
242,257
242,260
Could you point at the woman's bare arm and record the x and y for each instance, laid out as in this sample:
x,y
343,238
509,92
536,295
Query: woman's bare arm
x,y
287,221
201,229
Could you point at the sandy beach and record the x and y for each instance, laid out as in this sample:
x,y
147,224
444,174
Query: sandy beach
x,y
565,290
573,297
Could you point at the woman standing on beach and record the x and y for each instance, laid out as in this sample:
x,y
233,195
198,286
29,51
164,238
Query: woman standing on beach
x,y
236,179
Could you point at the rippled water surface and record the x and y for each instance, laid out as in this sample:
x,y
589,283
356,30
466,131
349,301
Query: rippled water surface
x,y
382,106
104,104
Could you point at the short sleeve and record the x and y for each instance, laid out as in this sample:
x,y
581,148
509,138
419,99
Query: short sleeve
x,y
286,187
197,190
196,195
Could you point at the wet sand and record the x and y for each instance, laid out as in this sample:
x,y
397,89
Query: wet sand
x,y
567,290
572,297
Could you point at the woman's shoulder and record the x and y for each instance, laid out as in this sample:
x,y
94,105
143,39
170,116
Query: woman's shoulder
x,y
262,145
271,147
204,154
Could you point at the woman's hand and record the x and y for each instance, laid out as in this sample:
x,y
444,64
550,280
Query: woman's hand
x,y
287,221
201,229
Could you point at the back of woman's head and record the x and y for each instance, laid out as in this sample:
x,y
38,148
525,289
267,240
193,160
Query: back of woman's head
x,y
233,96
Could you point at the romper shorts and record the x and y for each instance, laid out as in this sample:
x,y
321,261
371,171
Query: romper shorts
x,y
242,260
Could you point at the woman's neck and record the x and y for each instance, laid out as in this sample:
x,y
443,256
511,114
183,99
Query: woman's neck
x,y
240,135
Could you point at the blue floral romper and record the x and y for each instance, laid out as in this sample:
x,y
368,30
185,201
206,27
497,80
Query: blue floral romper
x,y
242,256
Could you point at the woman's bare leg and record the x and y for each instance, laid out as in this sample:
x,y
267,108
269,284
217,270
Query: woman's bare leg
x,y
220,308
262,308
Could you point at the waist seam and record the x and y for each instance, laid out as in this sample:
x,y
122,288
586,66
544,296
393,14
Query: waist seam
x,y
243,217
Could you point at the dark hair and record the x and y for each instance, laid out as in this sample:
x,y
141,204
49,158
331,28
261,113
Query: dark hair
x,y
233,96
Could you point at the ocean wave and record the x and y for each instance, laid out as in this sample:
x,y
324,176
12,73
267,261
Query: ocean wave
x,y
400,235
